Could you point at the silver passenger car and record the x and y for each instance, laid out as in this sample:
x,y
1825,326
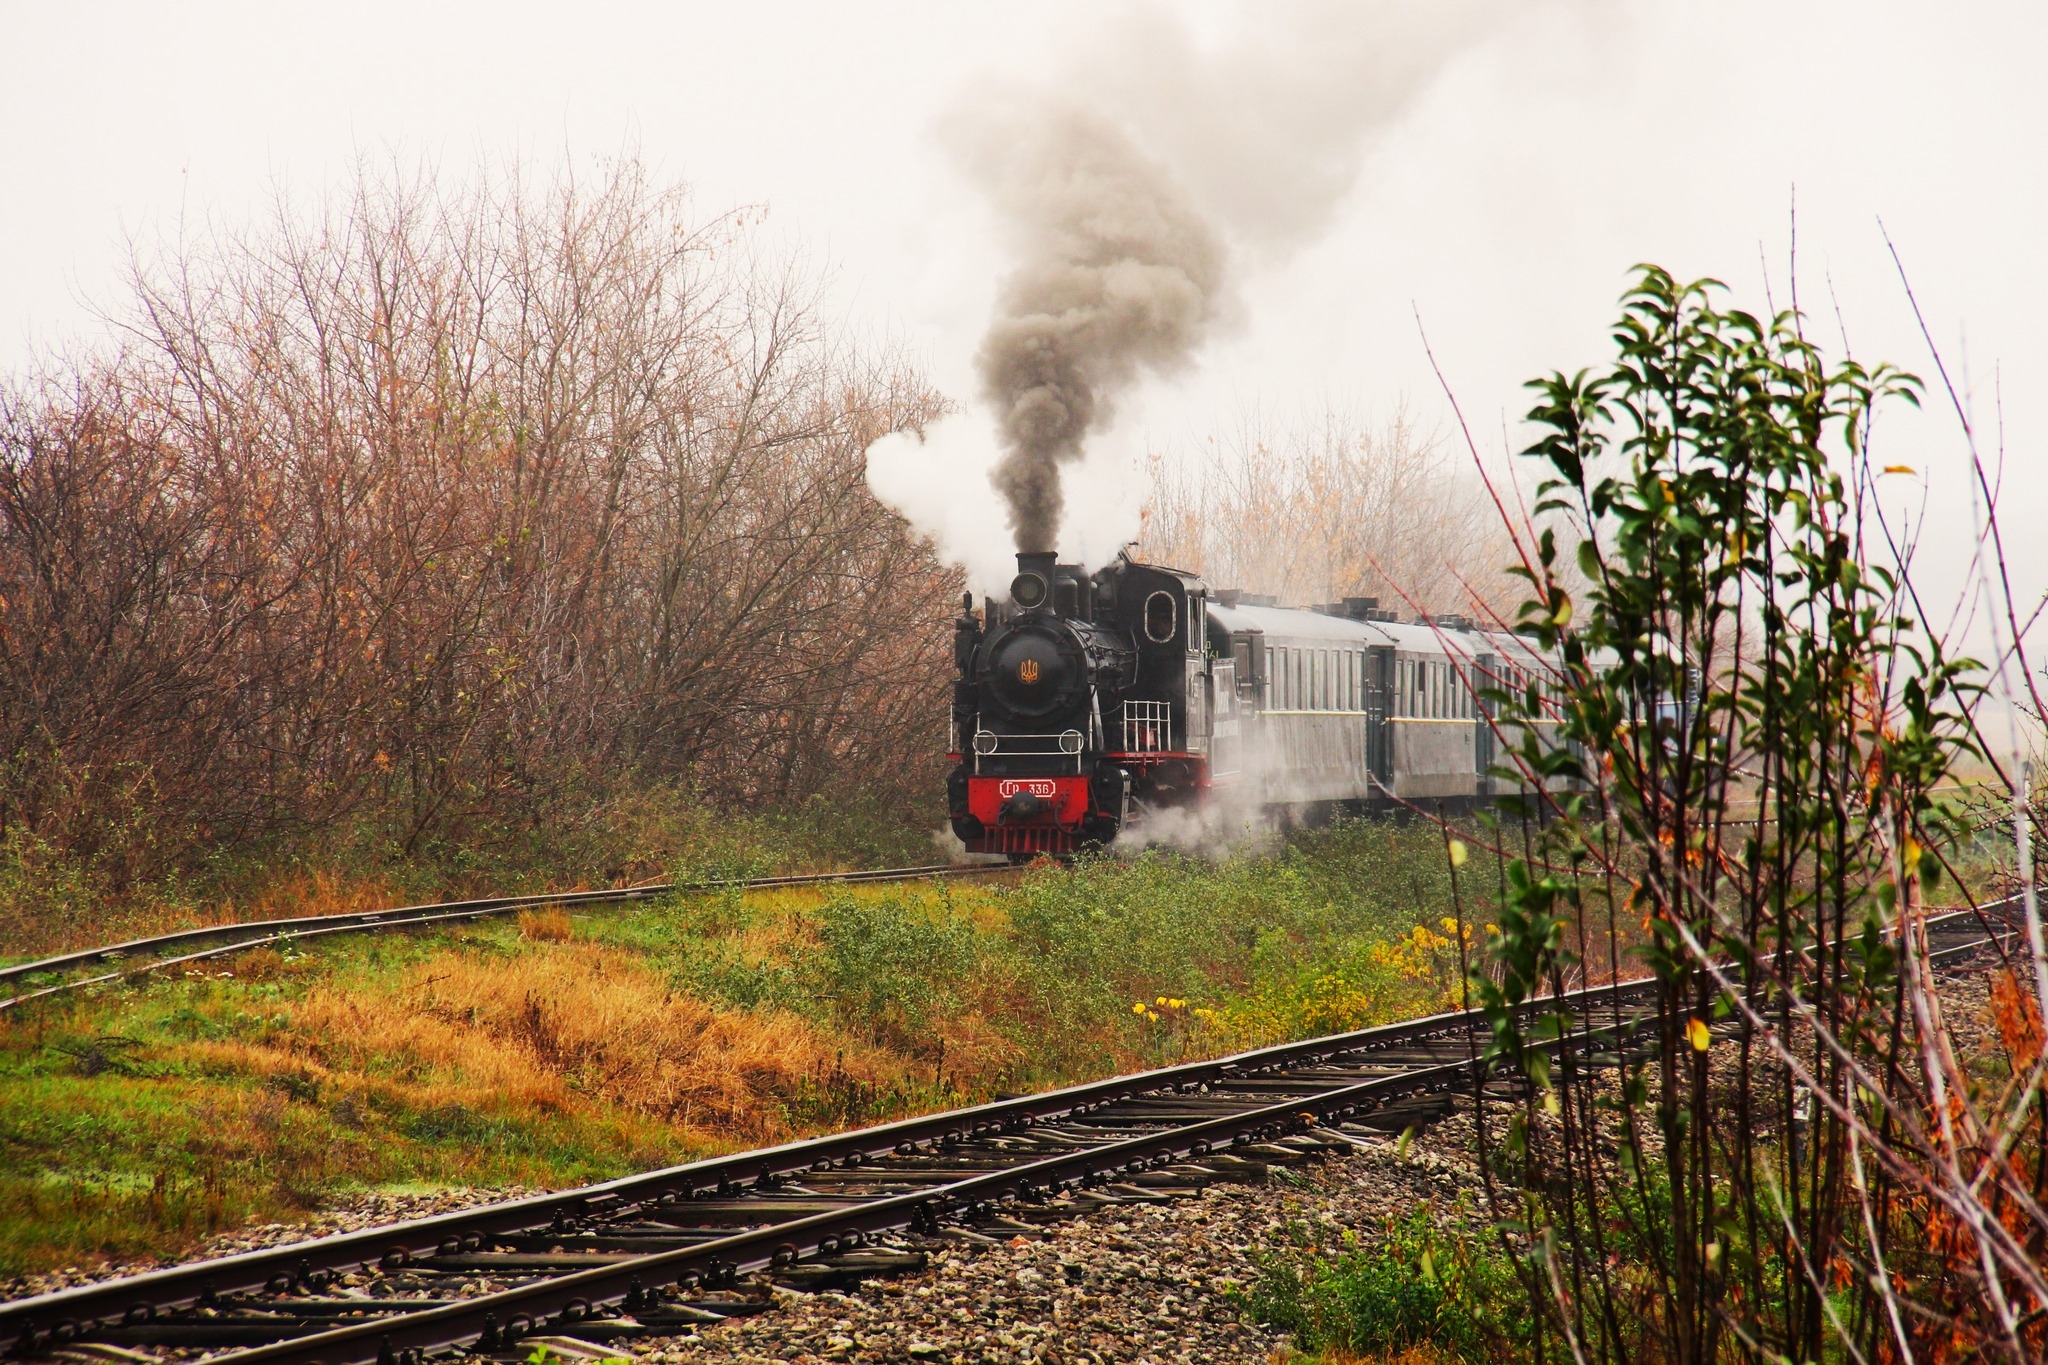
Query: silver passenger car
x,y
1345,704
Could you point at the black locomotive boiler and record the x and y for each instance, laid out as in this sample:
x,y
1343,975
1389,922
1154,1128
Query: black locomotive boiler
x,y
1088,700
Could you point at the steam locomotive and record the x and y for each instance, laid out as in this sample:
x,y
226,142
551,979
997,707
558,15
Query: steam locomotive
x,y
1087,702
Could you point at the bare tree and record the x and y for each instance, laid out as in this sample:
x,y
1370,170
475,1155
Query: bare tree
x,y
1325,510
422,504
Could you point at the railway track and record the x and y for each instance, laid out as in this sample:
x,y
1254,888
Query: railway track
x,y
220,940
658,1253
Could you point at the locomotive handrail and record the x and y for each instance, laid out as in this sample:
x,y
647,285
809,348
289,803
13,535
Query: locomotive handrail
x,y
1066,744
1148,726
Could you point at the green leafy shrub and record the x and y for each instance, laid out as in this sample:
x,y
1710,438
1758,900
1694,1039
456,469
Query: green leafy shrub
x,y
1420,1284
895,970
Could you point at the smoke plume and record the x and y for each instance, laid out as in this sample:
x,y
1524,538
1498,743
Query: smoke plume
x,y
1169,161
1118,275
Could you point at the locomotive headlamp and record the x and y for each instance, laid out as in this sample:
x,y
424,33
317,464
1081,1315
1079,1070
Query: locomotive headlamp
x,y
1028,590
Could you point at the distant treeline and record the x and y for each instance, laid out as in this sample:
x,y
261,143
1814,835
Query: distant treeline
x,y
425,507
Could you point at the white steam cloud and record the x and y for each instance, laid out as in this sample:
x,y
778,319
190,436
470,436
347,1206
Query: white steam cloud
x,y
1128,193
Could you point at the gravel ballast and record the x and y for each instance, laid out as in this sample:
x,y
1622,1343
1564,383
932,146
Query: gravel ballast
x,y
1136,1283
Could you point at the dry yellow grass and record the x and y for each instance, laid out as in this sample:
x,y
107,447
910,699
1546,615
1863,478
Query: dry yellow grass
x,y
546,926
321,892
551,1028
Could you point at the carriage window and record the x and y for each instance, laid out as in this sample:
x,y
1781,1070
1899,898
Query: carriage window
x,y
1159,617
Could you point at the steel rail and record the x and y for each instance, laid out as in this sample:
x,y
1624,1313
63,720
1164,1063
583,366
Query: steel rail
x,y
397,1244
562,1301
54,1318
258,933
785,1243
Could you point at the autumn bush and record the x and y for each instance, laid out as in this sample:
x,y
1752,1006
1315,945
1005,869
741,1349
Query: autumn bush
x,y
1318,510
421,523
1800,1156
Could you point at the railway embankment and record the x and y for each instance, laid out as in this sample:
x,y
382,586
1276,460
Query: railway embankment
x,y
1176,1279
142,1119
1270,1205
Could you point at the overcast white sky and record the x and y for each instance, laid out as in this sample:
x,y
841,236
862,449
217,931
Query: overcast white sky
x,y
1538,155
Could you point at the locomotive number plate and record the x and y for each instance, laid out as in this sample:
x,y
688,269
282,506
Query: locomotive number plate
x,y
1040,788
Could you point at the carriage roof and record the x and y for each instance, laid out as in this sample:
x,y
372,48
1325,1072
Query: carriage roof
x,y
1292,625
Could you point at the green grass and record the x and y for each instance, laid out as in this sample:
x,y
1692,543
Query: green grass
x,y
138,1119
51,901
1424,1281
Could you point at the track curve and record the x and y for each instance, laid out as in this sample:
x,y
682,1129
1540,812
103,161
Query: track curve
x,y
234,938
655,1252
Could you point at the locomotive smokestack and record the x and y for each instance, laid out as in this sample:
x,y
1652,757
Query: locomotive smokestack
x,y
1032,587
